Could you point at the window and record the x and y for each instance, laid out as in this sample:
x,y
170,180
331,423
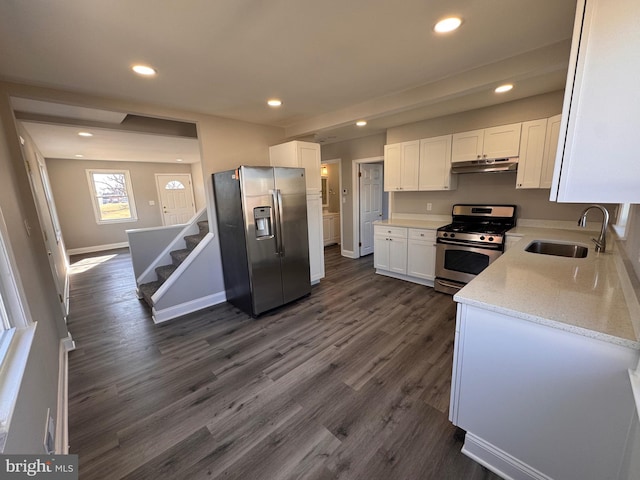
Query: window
x,y
174,185
112,196
16,335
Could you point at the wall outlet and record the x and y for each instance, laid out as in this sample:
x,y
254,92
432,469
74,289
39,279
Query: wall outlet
x,y
429,206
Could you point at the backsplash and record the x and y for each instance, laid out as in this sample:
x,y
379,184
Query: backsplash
x,y
487,188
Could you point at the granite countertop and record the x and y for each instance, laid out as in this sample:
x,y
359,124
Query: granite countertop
x,y
589,296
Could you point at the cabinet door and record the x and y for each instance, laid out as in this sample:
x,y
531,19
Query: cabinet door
x,y
550,148
531,153
316,243
410,165
435,164
381,252
398,255
326,229
392,166
597,159
421,254
502,141
467,146
309,159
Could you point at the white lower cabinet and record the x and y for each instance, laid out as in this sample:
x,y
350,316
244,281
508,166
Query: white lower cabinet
x,y
421,254
331,228
405,253
540,402
390,249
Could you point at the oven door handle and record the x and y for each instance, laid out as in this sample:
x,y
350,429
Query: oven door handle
x,y
469,244
450,285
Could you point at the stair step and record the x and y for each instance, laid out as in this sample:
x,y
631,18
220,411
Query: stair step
x,y
203,225
193,240
164,272
178,256
147,290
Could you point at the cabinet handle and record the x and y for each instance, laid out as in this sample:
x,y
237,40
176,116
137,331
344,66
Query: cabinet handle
x,y
484,156
445,187
478,156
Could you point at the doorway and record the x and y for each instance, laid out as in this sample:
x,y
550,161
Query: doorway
x,y
175,192
370,202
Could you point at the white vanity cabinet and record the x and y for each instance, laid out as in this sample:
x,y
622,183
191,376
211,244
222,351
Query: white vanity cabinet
x,y
421,254
401,166
405,253
597,158
495,142
306,155
537,401
331,228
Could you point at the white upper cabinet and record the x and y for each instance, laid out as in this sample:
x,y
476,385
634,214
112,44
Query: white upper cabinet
x,y
299,154
597,158
435,164
401,166
550,148
531,153
494,142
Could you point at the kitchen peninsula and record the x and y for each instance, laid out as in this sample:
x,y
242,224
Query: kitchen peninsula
x,y
542,353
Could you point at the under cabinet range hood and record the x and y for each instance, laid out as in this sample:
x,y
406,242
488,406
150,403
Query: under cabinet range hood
x,y
486,165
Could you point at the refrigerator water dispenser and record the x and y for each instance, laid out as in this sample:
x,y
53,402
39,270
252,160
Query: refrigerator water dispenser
x,y
262,221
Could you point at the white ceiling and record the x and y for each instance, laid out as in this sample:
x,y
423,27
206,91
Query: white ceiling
x,y
331,62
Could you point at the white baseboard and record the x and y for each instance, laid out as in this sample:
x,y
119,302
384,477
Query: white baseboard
x,y
499,461
62,414
348,253
160,316
97,248
406,278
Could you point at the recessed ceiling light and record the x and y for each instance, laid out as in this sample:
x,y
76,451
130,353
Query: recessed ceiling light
x,y
178,159
504,88
361,123
79,156
274,102
85,134
144,70
447,24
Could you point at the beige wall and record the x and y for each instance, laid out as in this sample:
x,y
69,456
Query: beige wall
x,y
75,210
38,390
198,186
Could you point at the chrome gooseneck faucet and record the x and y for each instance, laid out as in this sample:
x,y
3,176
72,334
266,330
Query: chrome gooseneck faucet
x,y
601,241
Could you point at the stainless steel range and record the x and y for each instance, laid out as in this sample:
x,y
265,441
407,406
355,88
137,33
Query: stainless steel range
x,y
471,243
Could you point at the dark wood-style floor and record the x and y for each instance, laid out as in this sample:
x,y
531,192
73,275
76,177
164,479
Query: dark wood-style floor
x,y
351,382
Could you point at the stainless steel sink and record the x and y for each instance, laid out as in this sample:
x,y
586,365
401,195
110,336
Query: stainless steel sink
x,y
557,249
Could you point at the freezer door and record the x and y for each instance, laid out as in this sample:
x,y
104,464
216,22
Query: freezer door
x,y
294,250
257,187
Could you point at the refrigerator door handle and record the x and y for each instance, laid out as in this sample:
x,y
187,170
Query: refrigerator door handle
x,y
277,211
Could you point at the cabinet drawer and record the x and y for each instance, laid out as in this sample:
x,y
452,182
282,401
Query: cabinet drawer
x,y
419,234
386,230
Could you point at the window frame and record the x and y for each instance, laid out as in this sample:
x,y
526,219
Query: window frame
x,y
95,196
17,331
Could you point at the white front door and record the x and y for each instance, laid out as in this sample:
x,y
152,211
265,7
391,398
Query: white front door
x,y
370,203
175,192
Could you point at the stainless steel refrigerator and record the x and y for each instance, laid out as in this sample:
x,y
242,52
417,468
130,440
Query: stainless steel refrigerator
x,y
262,228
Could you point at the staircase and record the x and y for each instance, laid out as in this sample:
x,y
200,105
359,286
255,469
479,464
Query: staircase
x,y
146,290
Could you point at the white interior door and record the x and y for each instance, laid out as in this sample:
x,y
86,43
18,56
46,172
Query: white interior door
x,y
370,203
48,217
175,192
